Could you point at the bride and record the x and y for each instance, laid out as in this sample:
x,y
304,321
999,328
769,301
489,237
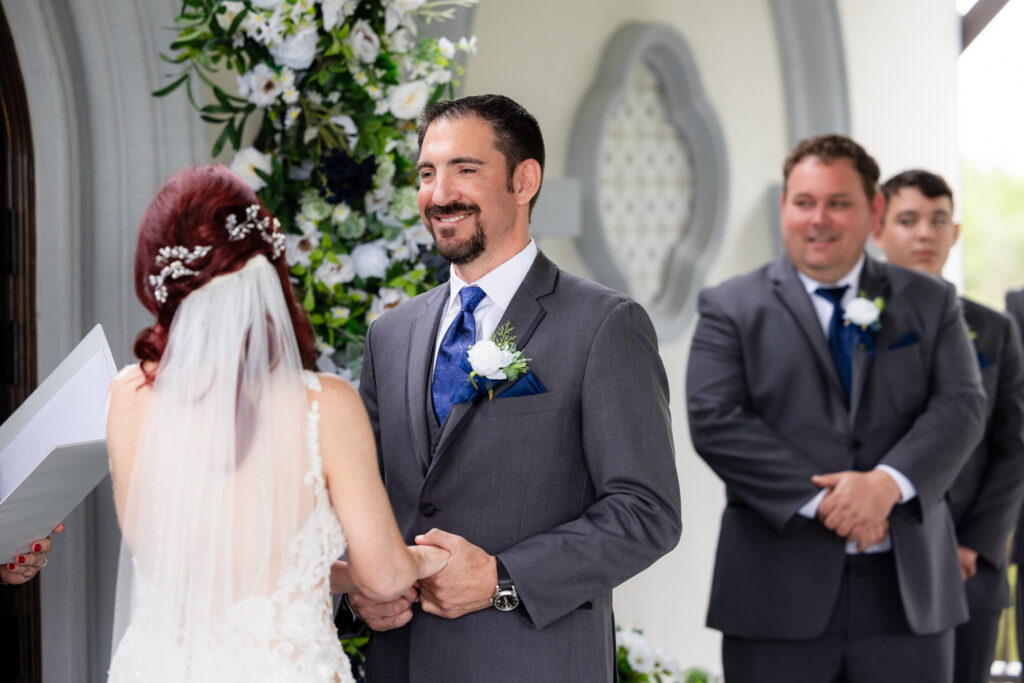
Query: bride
x,y
235,470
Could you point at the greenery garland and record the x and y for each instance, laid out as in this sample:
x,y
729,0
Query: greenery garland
x,y
337,87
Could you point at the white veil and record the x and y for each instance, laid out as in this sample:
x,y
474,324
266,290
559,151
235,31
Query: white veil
x,y
217,492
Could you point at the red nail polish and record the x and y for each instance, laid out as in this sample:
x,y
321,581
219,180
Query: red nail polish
x,y
37,547
21,559
10,566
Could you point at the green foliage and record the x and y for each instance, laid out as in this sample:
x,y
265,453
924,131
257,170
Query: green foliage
x,y
993,213
334,88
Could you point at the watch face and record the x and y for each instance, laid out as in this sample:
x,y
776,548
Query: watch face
x,y
506,600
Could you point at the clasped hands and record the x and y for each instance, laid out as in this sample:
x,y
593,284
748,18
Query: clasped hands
x,y
466,584
858,504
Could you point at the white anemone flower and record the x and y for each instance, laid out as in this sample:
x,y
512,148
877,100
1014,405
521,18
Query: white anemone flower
x,y
247,162
447,47
407,100
330,273
386,299
264,86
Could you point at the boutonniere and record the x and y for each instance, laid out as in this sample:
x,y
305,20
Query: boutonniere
x,y
491,361
865,313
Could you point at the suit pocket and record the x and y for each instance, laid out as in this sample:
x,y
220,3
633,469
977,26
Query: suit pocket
x,y
502,407
902,373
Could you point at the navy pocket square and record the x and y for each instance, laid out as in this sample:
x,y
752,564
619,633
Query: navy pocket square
x,y
906,340
527,385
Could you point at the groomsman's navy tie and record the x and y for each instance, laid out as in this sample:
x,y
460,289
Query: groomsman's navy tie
x,y
841,352
448,373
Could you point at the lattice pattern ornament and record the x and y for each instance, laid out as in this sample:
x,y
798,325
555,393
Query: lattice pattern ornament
x,y
645,184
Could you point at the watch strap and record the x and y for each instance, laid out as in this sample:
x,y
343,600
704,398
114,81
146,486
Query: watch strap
x,y
504,579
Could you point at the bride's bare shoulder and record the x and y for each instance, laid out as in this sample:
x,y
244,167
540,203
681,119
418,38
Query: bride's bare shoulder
x,y
129,389
337,395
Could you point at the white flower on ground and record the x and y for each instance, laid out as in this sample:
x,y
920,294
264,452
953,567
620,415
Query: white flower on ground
x,y
330,273
386,299
231,10
408,99
467,45
262,86
446,47
364,41
370,259
487,359
247,162
297,50
862,312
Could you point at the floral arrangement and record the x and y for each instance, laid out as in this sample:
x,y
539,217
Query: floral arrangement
x,y
334,88
638,662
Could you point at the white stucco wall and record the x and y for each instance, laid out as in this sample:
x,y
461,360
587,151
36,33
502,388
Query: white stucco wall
x,y
900,66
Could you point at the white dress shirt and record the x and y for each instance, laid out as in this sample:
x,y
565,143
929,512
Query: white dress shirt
x,y
823,307
499,286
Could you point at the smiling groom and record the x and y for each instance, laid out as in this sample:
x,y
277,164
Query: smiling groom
x,y
548,491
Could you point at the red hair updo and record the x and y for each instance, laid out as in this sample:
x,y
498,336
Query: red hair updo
x,y
191,209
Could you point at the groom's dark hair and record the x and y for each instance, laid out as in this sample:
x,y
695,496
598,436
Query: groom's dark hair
x,y
830,147
516,132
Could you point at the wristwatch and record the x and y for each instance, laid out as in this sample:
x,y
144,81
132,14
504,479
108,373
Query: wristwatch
x,y
505,597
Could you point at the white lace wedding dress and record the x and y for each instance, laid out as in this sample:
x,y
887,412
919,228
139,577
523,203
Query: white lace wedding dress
x,y
286,635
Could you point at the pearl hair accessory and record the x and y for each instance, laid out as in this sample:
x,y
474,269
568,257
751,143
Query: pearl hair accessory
x,y
270,229
174,261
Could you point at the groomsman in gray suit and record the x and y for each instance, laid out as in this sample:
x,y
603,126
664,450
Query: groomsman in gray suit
x,y
837,398
549,490
1015,309
917,231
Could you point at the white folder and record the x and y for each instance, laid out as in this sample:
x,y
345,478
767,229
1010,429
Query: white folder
x,y
53,448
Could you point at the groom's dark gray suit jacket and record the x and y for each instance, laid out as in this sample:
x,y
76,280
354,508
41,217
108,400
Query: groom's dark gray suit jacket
x,y
574,489
767,411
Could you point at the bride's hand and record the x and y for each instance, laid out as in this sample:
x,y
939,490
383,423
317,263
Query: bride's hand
x,y
430,559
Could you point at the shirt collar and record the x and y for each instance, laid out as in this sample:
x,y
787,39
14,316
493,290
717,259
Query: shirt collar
x,y
501,284
852,279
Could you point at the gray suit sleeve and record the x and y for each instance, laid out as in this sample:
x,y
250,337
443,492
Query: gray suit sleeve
x,y
931,453
627,444
993,513
761,469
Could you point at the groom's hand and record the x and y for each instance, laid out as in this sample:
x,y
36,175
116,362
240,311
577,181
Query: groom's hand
x,y
467,582
383,616
856,500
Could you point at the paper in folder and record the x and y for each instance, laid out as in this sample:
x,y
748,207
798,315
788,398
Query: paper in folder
x,y
53,448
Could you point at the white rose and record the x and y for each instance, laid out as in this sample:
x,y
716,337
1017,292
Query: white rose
x,y
370,260
332,13
247,162
862,312
297,50
447,47
408,99
364,41
487,359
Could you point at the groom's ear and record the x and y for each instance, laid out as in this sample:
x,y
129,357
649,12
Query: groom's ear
x,y
526,181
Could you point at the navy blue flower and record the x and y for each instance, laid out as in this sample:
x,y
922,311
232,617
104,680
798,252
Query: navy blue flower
x,y
348,180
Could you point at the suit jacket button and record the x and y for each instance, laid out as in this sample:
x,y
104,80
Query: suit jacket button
x,y
856,444
427,509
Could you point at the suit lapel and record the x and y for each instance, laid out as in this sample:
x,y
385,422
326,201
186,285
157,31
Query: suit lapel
x,y
524,314
421,352
794,297
873,283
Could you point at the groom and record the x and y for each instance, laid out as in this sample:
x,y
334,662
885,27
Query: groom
x,y
548,491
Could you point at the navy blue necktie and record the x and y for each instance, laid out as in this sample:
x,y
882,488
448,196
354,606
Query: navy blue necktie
x,y
842,354
461,334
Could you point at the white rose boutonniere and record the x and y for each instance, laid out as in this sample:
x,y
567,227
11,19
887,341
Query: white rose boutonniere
x,y
865,314
489,362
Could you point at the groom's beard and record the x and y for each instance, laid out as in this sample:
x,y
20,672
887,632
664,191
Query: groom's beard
x,y
459,253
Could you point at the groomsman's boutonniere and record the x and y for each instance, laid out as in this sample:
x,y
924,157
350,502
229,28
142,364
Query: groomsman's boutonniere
x,y
865,313
491,361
